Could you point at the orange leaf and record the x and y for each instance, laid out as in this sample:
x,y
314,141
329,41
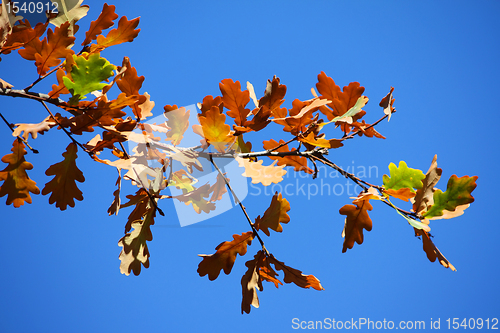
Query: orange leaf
x,y
208,102
432,251
235,100
298,162
130,83
178,122
259,269
103,22
357,219
214,129
218,189
225,256
403,193
274,94
295,276
125,32
274,215
320,142
25,36
250,282
54,47
63,186
341,101
17,185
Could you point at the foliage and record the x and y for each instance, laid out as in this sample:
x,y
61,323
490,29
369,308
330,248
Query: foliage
x,y
223,122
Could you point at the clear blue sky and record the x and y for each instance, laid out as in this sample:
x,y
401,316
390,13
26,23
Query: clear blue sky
x,y
60,271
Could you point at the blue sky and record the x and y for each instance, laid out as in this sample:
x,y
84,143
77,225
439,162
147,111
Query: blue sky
x,y
61,272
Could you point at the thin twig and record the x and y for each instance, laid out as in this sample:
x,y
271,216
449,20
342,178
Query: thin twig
x,y
19,137
241,205
67,133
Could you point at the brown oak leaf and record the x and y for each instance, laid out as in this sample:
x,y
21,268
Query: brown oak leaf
x,y
62,188
17,185
274,215
225,256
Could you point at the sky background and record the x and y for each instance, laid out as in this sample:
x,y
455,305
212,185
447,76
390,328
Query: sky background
x,y
60,271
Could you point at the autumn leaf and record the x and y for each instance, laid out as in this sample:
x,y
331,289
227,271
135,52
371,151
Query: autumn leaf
x,y
266,175
125,32
214,129
135,250
196,199
225,256
87,76
458,193
208,102
386,103
17,185
356,220
273,95
218,189
53,48
178,123
341,101
403,177
103,22
32,129
115,205
63,186
299,163
320,142
274,215
348,116
105,114
130,84
259,269
23,35
141,202
295,276
250,283
404,194
69,14
423,198
235,100
432,251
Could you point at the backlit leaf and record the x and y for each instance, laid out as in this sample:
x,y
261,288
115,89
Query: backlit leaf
x,y
295,276
356,220
178,123
266,175
135,250
17,185
424,196
54,48
125,32
225,256
432,251
87,75
458,193
103,22
402,177
62,188
235,100
214,130
298,162
274,215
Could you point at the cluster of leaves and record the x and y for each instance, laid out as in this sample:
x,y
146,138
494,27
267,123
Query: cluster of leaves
x,y
154,164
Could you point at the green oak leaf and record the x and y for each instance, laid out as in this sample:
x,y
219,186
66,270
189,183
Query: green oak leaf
x,y
87,76
403,177
458,192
